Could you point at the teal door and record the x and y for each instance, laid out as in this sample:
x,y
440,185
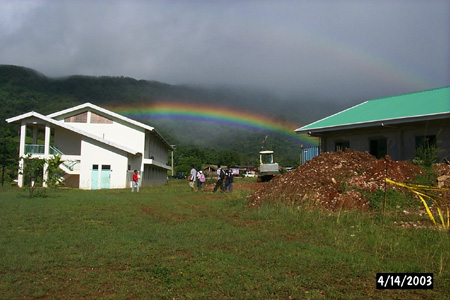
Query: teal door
x,y
94,177
105,178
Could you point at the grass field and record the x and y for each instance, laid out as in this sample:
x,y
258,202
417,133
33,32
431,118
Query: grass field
x,y
170,243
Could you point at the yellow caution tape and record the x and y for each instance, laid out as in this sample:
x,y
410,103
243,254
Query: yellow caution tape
x,y
420,190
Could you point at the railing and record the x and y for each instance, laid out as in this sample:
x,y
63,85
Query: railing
x,y
40,149
70,164
55,151
34,149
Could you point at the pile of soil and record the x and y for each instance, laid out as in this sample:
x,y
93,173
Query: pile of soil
x,y
335,180
443,171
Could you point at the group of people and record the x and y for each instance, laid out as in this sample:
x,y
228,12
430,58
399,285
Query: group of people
x,y
196,177
224,179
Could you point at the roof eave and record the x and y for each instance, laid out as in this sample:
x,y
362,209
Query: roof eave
x,y
33,114
102,110
23,116
311,131
162,139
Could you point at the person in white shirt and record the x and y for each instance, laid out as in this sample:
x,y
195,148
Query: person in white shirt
x,y
192,178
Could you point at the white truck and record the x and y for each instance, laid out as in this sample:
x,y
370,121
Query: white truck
x,y
267,167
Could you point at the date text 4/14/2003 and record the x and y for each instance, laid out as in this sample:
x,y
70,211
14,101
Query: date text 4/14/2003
x,y
404,281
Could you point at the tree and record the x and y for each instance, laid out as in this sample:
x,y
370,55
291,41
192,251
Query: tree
x,y
54,173
230,158
33,171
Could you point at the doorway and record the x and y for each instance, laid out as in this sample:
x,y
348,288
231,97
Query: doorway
x,y
101,174
94,177
105,178
378,148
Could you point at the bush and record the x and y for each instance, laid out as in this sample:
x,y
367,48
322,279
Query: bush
x,y
426,156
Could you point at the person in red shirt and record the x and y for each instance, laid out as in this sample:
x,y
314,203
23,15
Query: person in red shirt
x,y
135,181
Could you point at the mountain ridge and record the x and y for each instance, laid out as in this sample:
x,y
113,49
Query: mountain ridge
x,y
23,89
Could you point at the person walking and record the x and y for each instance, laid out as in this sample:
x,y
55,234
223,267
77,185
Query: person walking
x,y
220,177
135,181
192,178
200,179
229,180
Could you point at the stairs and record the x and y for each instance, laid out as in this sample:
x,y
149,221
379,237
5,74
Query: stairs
x,y
69,166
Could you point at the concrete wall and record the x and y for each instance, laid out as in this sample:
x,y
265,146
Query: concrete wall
x,y
72,181
68,142
155,148
135,163
96,153
154,175
401,138
124,134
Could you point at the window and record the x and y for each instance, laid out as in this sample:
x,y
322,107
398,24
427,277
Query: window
x,y
79,118
378,148
342,145
426,150
425,141
95,118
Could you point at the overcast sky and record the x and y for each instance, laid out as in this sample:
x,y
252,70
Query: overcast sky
x,y
333,50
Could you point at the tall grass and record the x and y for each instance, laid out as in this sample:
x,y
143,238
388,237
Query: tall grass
x,y
170,243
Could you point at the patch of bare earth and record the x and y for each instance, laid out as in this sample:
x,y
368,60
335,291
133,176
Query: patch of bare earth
x,y
335,180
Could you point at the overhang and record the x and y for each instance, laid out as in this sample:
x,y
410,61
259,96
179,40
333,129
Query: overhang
x,y
19,119
415,107
111,114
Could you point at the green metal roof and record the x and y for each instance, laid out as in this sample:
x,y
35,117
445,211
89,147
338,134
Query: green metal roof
x,y
402,108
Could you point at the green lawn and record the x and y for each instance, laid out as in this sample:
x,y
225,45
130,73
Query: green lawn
x,y
170,243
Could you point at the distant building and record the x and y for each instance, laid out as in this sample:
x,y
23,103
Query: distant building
x,y
395,125
100,148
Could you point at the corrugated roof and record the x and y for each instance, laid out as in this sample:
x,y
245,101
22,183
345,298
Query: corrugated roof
x,y
404,108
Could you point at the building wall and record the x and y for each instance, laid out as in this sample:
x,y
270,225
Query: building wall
x,y
401,138
153,176
72,181
96,153
155,148
135,163
118,131
68,142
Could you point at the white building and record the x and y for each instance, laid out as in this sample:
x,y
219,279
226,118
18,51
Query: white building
x,y
100,148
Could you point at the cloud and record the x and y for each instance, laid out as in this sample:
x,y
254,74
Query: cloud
x,y
328,49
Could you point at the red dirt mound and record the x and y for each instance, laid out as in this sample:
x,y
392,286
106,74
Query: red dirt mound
x,y
443,171
333,180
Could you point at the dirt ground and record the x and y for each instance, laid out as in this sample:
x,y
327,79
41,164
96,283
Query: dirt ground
x,y
334,180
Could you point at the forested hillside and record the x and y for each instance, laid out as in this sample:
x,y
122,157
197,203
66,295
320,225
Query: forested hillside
x,y
23,90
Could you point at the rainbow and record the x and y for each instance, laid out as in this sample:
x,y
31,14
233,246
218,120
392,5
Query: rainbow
x,y
214,114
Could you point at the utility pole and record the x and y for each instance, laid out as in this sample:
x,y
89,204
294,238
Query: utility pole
x,y
173,148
